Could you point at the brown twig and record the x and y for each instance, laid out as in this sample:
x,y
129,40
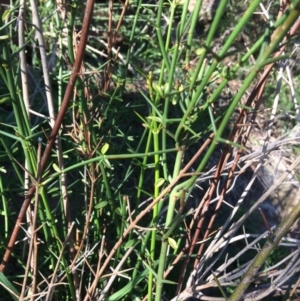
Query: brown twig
x,y
68,93
265,221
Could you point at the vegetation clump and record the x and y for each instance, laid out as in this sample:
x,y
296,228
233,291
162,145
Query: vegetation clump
x,y
142,148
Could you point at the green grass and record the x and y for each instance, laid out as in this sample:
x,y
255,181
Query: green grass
x,y
112,196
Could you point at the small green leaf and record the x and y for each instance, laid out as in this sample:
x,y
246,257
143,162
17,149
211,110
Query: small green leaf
x,y
200,51
107,164
5,99
101,205
6,14
158,89
119,211
174,99
159,182
155,118
55,167
2,169
166,88
172,243
104,148
169,282
129,243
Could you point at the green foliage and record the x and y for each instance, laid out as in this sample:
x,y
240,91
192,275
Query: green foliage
x,y
111,216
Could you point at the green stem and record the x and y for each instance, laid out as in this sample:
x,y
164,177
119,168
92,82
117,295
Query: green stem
x,y
161,44
5,212
155,207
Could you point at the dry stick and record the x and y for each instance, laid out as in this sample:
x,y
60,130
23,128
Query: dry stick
x,y
139,217
293,290
114,275
69,91
121,18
